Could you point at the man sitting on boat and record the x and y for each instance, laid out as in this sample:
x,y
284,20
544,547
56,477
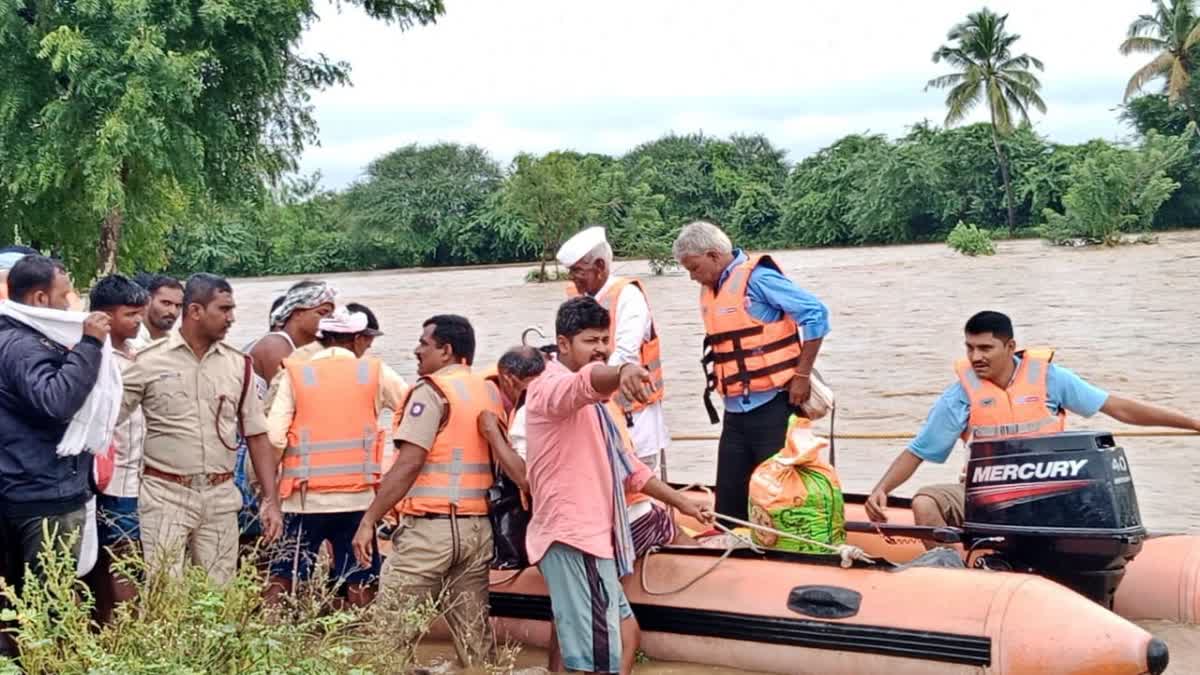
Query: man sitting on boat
x,y
1000,393
579,470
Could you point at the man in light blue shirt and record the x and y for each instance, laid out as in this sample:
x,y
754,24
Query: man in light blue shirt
x,y
991,351
775,369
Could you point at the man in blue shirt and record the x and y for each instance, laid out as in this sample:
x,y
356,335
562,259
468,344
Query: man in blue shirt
x,y
991,351
762,378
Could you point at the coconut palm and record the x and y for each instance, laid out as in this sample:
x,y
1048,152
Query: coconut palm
x,y
1172,35
980,50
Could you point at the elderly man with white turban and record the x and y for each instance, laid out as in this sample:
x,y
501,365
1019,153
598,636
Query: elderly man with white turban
x,y
588,258
324,420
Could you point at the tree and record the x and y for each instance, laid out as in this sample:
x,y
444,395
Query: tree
x,y
1117,190
822,189
421,205
632,214
119,118
1155,113
1172,35
981,51
552,197
704,177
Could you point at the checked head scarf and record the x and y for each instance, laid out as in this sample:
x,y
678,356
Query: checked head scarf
x,y
303,295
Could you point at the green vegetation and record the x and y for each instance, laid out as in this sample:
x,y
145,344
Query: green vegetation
x,y
191,626
1172,35
988,72
187,166
1115,191
123,122
968,239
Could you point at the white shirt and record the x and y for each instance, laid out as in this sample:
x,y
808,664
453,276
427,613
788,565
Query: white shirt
x,y
128,437
143,337
635,326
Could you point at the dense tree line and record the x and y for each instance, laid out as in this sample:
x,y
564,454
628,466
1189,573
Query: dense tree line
x,y
165,132
453,205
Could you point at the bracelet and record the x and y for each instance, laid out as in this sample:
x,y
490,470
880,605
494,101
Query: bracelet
x,y
803,375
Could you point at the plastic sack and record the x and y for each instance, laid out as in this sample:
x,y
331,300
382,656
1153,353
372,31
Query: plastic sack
x,y
797,492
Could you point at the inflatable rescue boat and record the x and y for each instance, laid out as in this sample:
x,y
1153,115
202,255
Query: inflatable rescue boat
x,y
797,613
1043,556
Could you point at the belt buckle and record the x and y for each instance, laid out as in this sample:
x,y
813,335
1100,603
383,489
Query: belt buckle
x,y
200,480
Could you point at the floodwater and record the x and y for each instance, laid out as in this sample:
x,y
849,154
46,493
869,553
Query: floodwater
x,y
1123,318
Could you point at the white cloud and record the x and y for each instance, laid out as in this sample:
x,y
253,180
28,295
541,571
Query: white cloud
x,y
536,75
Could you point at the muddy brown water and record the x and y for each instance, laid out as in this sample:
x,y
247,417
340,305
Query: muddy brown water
x,y
1123,318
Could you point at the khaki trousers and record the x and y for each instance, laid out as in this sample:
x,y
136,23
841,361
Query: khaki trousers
x,y
183,525
451,558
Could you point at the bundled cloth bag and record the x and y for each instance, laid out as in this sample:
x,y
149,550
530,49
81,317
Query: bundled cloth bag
x,y
91,429
797,492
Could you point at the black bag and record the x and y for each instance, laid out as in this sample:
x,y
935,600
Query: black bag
x,y
510,520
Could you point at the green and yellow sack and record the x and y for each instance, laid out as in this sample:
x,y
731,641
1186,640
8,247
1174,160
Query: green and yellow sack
x,y
797,492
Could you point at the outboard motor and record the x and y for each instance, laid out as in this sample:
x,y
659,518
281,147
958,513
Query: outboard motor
x,y
1061,505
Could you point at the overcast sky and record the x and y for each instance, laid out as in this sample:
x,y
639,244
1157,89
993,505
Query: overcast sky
x,y
539,75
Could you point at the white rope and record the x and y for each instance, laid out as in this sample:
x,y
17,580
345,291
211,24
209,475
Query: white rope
x,y
847,552
728,551
646,564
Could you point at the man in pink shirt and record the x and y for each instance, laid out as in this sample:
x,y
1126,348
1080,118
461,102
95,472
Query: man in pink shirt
x,y
578,472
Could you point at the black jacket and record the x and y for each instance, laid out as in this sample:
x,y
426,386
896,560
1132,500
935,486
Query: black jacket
x,y
42,386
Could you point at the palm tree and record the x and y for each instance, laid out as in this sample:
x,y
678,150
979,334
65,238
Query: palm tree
x,y
1172,34
981,50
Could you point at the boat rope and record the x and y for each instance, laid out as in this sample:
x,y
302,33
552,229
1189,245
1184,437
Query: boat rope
x,y
847,552
728,552
893,436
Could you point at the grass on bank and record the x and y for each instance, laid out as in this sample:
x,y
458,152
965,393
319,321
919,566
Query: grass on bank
x,y
193,626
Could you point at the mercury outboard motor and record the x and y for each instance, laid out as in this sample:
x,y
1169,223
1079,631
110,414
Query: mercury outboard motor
x,y
1061,505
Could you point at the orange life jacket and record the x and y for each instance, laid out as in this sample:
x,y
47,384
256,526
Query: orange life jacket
x,y
458,469
1019,410
650,356
746,355
334,443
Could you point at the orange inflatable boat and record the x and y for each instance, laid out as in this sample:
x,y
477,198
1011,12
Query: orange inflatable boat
x,y
796,613
1161,583
1053,540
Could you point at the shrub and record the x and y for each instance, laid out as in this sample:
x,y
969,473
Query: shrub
x,y
1115,191
538,276
192,625
970,240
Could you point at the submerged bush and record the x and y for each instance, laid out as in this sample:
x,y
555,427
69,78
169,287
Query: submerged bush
x,y
1116,191
538,276
969,239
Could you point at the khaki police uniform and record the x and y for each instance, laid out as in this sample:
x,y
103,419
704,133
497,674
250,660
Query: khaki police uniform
x,y
434,554
188,503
